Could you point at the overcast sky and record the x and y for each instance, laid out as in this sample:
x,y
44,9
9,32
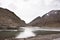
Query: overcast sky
x,y
29,9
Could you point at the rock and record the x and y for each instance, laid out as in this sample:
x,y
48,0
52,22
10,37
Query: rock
x,y
9,20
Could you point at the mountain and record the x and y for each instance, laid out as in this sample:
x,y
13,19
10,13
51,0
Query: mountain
x,y
51,19
35,22
8,19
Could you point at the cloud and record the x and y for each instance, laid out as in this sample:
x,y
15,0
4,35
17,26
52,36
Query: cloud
x,y
30,9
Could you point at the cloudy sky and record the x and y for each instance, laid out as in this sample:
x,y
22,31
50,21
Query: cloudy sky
x,y
29,9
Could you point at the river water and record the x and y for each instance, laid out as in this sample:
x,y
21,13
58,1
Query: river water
x,y
33,31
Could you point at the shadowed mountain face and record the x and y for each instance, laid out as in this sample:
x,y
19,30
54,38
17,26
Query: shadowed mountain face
x,y
36,22
9,20
50,19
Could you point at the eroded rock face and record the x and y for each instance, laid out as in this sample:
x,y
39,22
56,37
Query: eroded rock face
x,y
51,19
9,20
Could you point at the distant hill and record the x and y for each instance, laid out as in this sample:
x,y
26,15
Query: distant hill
x,y
8,19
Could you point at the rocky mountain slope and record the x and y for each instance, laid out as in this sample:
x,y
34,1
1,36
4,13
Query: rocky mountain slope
x,y
35,22
50,19
9,20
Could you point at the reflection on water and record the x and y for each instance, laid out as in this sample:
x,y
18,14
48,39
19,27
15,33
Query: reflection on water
x,y
8,34
33,31
25,32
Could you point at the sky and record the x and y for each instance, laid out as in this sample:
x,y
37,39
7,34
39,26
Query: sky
x,y
27,10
